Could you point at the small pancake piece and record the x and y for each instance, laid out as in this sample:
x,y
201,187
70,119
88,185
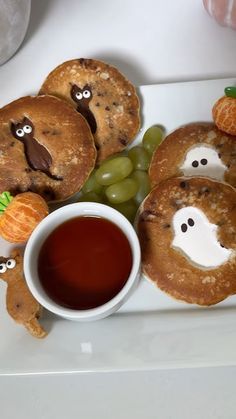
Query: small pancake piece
x,y
103,96
20,303
187,231
45,147
198,149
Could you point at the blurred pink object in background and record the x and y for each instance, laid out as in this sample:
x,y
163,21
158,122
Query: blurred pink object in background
x,y
223,11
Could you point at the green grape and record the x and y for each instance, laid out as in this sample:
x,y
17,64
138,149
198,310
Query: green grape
x,y
128,209
230,91
152,138
113,170
122,191
139,157
144,186
91,197
91,185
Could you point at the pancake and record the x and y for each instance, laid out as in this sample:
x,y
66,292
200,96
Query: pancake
x,y
104,97
45,147
198,149
187,231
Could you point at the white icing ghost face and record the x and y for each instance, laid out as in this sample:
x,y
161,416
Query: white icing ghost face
x,y
196,237
203,161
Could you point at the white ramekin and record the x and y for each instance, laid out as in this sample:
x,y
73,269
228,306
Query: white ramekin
x,y
47,226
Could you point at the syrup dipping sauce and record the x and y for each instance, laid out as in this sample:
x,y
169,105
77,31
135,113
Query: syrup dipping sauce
x,y
84,262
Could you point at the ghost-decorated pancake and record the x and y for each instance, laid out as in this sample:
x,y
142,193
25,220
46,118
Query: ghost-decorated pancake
x,y
198,149
45,147
103,96
187,231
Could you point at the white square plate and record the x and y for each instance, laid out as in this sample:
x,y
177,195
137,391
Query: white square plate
x,y
151,330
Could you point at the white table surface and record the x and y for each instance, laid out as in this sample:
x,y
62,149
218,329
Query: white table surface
x,y
151,41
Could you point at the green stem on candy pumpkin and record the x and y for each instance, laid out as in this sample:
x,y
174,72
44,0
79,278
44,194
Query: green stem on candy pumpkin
x,y
5,199
230,91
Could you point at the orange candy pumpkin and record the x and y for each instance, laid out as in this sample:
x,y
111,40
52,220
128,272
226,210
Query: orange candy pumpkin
x,y
21,215
224,114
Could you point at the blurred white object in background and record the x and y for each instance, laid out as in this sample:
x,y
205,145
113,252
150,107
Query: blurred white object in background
x,y
14,20
223,11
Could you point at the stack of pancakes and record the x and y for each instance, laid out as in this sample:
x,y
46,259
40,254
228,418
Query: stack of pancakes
x,y
187,224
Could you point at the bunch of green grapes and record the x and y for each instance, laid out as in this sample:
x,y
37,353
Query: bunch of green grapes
x,y
122,180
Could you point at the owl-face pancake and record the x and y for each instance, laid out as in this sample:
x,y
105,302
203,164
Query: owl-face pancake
x,y
45,147
197,149
187,231
103,96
